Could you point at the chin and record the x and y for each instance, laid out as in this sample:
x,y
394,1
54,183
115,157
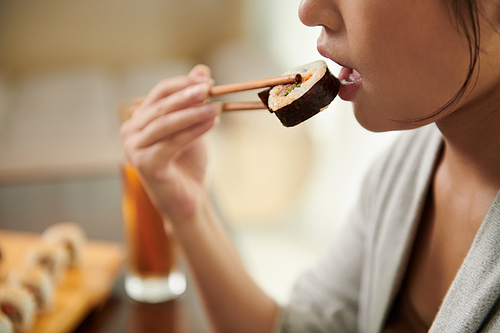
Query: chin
x,y
374,121
371,120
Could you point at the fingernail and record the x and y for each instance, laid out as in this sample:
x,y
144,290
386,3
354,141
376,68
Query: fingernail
x,y
210,110
217,120
198,89
218,109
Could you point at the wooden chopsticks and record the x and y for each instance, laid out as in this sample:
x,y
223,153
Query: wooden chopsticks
x,y
240,106
249,85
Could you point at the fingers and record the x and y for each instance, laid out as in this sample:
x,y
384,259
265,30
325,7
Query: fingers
x,y
171,116
171,85
175,94
173,123
180,100
199,74
171,132
147,159
167,149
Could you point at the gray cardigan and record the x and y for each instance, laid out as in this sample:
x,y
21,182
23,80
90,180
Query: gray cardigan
x,y
353,287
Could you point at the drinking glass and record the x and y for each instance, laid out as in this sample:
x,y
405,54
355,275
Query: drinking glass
x,y
153,274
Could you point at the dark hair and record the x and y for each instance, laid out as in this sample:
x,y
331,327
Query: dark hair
x,y
466,13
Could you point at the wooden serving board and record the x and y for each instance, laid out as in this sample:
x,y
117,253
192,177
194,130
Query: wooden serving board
x,y
81,289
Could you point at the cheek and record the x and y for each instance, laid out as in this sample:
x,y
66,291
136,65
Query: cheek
x,y
411,63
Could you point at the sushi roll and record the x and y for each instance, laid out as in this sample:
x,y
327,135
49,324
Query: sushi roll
x,y
18,304
297,102
37,281
52,257
5,324
71,235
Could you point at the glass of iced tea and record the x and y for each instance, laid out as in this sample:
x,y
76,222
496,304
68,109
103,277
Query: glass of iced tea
x,y
152,274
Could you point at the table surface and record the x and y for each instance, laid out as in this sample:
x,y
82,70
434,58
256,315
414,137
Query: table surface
x,y
122,314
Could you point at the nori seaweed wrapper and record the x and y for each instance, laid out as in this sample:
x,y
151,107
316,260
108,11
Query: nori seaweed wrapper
x,y
310,103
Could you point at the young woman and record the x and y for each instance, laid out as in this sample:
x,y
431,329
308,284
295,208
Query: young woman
x,y
422,249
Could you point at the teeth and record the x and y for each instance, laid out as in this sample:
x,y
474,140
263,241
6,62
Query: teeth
x,y
352,79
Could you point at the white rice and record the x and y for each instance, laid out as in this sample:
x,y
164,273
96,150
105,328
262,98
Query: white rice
x,y
5,324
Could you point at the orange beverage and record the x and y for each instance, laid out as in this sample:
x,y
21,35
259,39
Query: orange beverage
x,y
150,251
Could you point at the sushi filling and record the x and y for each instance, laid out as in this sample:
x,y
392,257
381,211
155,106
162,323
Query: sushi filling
x,y
49,264
37,295
12,312
288,88
71,250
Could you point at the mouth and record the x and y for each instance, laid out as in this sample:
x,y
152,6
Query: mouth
x,y
348,76
350,79
350,82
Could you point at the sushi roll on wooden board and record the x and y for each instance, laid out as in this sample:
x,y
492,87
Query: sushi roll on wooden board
x,y
80,288
19,305
297,102
71,235
52,257
37,281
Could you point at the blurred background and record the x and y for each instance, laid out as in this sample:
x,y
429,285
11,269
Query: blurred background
x,y
66,66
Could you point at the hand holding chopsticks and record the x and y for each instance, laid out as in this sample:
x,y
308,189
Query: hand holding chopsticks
x,y
243,86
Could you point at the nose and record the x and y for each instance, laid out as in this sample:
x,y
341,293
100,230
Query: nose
x,y
306,13
320,13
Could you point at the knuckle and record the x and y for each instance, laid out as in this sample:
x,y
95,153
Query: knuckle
x,y
140,162
160,125
129,148
124,131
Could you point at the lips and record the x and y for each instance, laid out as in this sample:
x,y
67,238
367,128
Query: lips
x,y
350,82
350,79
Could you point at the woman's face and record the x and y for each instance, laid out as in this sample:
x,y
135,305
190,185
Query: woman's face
x,y
407,58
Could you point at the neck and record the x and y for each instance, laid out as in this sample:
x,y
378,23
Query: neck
x,y
472,143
